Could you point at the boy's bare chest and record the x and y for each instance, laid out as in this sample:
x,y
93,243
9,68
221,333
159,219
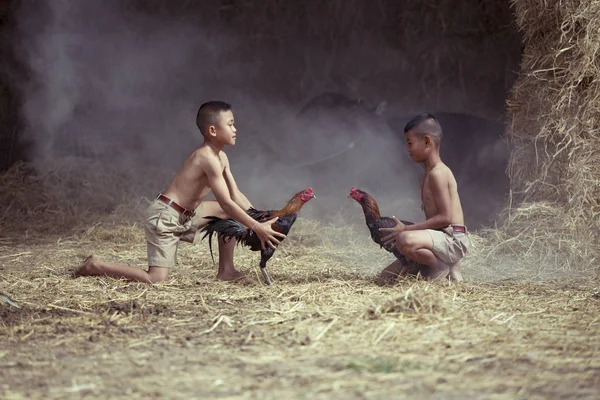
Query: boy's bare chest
x,y
427,201
425,191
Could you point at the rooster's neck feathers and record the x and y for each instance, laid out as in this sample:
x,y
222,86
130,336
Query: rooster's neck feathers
x,y
370,208
292,207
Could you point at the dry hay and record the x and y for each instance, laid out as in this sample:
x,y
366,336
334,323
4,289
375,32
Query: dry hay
x,y
555,114
325,329
75,198
72,194
539,234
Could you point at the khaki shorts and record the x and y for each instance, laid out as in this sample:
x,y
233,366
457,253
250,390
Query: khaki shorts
x,y
449,246
164,228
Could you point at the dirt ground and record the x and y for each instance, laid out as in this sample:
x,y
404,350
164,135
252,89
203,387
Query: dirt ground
x,y
324,330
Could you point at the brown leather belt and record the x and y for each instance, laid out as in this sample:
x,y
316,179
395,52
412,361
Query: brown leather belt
x,y
459,228
175,206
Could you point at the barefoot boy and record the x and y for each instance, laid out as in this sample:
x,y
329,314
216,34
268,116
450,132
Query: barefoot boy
x,y
178,212
441,241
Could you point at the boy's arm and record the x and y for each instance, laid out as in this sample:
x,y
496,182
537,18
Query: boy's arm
x,y
236,195
217,183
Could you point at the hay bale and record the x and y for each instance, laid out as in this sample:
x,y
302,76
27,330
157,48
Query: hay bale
x,y
69,195
554,108
555,104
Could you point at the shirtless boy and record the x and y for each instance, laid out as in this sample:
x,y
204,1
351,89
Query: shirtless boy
x,y
441,241
178,212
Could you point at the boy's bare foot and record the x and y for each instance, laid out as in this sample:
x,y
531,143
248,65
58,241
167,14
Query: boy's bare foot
x,y
387,278
390,274
234,276
89,267
438,273
455,275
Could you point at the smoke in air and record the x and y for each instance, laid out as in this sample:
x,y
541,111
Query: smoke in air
x,y
111,82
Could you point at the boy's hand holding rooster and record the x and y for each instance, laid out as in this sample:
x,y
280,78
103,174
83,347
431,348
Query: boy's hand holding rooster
x,y
390,240
266,234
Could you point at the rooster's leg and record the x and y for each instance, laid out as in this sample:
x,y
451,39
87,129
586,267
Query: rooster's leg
x,y
266,275
264,257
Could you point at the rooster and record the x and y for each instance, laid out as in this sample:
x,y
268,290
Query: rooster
x,y
230,228
375,221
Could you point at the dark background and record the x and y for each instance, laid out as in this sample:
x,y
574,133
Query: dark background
x,y
120,81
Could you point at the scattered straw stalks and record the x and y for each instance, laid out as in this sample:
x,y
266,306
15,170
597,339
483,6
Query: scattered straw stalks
x,y
325,325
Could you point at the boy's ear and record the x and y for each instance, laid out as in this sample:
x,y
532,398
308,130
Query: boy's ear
x,y
428,140
212,131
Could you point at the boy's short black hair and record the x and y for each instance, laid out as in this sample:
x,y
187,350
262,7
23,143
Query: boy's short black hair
x,y
429,126
209,112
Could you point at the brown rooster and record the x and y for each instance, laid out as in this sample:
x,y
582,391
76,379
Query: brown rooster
x,y
230,228
375,221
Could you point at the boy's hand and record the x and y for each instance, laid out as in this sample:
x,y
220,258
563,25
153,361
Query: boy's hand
x,y
266,234
390,240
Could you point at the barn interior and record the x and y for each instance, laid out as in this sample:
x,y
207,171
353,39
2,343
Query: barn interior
x,y
130,98
97,111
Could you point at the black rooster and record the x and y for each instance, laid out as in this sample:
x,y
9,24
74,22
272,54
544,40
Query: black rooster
x,y
230,228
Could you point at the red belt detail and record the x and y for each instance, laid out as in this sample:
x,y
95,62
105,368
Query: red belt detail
x,y
175,206
459,228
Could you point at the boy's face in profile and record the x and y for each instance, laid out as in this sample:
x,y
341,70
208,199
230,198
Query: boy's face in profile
x,y
225,129
416,146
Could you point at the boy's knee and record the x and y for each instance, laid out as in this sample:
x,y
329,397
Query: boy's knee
x,y
226,242
405,242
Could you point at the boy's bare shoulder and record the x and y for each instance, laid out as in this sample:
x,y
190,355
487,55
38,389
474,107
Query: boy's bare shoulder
x,y
204,156
441,170
223,158
441,173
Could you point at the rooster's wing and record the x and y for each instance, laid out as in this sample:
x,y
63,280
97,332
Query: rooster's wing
x,y
260,216
377,235
383,222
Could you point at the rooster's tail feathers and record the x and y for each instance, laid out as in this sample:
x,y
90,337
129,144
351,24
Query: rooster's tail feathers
x,y
228,229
